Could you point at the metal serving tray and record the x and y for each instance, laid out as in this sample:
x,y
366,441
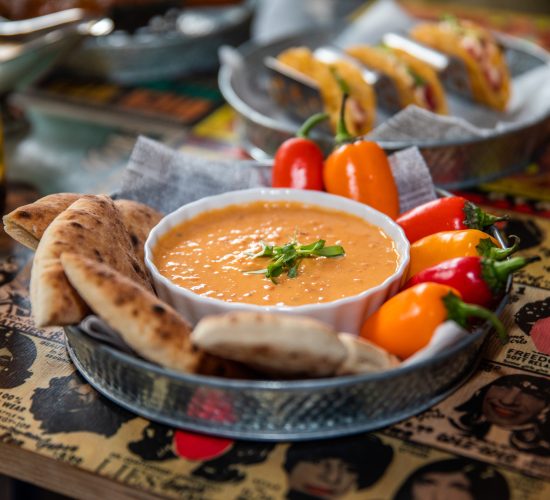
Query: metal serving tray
x,y
275,410
245,82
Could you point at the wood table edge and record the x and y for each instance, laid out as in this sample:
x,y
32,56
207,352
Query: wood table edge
x,y
63,478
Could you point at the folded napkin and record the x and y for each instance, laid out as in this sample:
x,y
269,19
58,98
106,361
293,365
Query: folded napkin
x,y
166,179
446,335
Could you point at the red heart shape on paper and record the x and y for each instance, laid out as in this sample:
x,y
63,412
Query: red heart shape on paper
x,y
540,333
199,446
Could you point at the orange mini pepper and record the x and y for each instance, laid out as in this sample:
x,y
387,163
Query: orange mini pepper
x,y
445,245
360,170
406,323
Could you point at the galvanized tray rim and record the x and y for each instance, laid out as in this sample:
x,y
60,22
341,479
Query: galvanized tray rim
x,y
290,385
303,435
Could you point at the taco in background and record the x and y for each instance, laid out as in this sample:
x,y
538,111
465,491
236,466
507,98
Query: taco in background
x,y
361,105
416,82
480,52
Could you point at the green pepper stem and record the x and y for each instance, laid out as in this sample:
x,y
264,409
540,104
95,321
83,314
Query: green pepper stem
x,y
503,253
506,267
311,122
487,219
495,273
476,218
460,312
342,132
497,253
342,135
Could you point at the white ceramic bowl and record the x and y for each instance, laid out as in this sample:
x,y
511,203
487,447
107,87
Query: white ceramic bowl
x,y
347,314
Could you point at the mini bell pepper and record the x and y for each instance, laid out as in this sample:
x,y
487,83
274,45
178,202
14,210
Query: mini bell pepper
x,y
298,161
479,280
360,169
405,323
444,214
445,245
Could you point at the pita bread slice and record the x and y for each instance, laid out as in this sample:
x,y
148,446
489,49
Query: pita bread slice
x,y
214,366
139,219
91,227
364,357
27,224
149,326
276,344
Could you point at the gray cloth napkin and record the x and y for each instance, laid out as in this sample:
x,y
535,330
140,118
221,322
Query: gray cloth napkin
x,y
166,179
96,328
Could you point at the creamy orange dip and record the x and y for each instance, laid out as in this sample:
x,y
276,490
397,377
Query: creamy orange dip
x,y
209,254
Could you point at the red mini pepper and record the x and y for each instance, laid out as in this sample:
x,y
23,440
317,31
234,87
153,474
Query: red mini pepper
x,y
439,247
479,280
299,161
444,214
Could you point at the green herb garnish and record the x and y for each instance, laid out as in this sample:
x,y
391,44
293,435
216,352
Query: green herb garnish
x,y
288,257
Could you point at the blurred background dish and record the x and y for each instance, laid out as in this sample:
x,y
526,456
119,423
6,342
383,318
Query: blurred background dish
x,y
152,39
29,48
171,43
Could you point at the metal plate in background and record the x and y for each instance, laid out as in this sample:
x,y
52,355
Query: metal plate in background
x,y
453,164
190,46
24,61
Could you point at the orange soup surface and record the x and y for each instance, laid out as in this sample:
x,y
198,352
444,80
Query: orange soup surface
x,y
209,254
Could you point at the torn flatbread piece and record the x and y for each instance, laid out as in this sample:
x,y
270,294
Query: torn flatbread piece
x,y
364,357
146,324
27,224
149,326
139,219
91,227
274,344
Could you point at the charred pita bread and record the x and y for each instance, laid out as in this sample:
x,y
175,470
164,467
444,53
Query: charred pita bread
x,y
91,227
139,219
287,346
27,224
146,324
149,326
214,366
363,356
